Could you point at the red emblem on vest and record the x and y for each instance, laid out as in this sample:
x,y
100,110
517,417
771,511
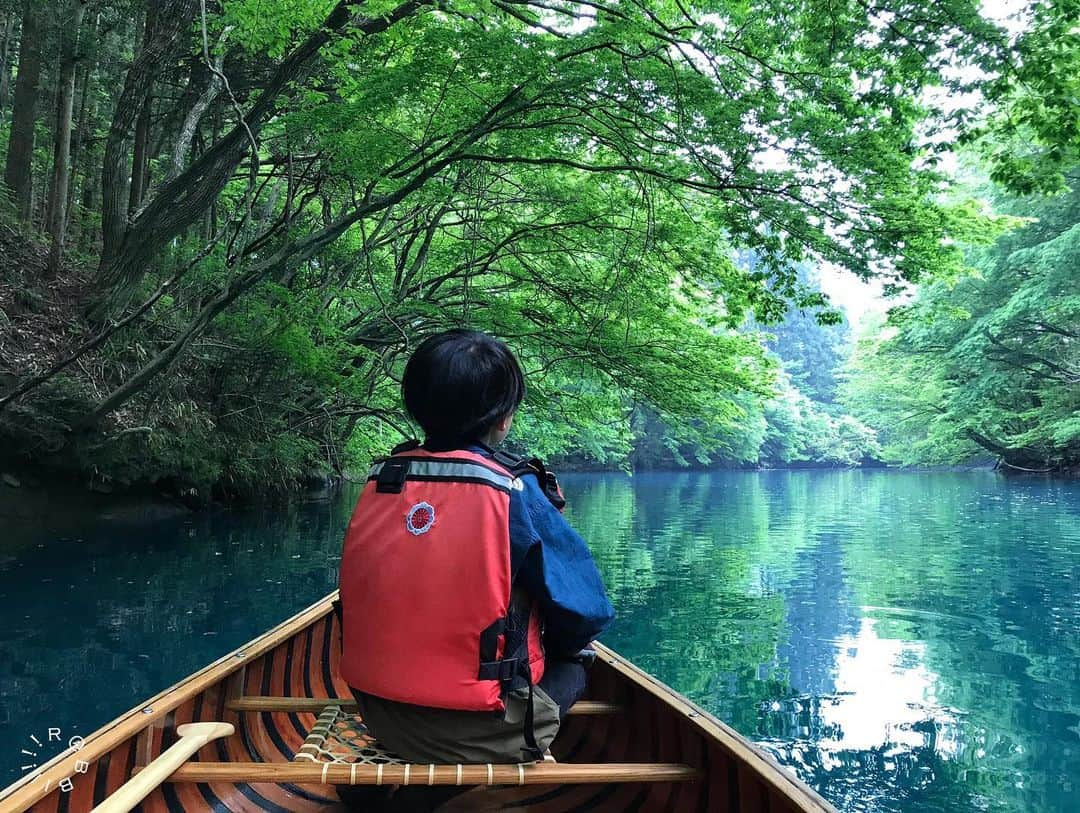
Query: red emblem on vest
x,y
420,518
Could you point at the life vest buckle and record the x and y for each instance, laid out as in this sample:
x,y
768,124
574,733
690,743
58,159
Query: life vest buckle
x,y
503,671
508,669
512,462
391,479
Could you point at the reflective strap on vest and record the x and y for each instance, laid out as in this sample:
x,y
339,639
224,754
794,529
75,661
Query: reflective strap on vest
x,y
462,471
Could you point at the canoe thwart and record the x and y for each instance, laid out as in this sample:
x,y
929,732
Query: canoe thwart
x,y
317,704
331,773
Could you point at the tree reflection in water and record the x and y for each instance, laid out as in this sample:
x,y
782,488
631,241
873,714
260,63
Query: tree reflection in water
x,y
904,642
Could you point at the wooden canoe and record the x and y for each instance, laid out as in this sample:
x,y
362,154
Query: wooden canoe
x,y
634,744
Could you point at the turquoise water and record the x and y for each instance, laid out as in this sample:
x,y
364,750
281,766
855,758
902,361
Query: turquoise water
x,y
904,642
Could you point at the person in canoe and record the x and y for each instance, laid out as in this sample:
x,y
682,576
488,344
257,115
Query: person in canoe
x,y
467,598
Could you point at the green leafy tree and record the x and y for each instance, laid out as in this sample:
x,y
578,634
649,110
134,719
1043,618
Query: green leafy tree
x,y
811,342
990,363
801,431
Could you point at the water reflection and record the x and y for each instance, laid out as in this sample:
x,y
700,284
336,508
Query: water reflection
x,y
904,642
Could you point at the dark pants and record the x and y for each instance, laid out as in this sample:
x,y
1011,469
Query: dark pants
x,y
564,682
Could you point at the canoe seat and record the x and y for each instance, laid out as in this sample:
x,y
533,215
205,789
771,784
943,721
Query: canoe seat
x,y
330,773
342,738
341,750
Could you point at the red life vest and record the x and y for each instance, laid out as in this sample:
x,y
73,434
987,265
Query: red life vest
x,y
426,585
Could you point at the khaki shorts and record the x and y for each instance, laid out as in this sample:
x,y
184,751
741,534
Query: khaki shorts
x,y
441,736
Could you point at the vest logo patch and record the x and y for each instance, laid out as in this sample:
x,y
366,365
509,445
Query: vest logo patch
x,y
420,518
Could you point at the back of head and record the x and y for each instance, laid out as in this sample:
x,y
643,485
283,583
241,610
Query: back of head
x,y
459,383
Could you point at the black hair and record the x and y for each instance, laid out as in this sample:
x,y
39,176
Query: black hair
x,y
459,383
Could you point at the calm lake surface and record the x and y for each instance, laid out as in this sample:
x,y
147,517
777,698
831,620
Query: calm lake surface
x,y
904,642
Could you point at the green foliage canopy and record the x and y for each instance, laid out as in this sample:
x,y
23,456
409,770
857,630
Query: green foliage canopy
x,y
574,177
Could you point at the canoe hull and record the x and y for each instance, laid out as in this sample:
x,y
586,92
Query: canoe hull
x,y
300,659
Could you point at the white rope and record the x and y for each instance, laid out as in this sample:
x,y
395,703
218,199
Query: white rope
x,y
352,774
406,780
378,774
325,768
521,774
458,774
326,744
491,771
431,774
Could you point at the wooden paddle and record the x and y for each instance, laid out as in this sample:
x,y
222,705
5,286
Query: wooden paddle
x,y
193,736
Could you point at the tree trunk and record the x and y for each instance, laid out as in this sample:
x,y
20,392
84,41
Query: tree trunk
x,y
198,110
62,145
5,55
21,141
139,157
88,119
173,21
82,86
89,181
140,161
1023,458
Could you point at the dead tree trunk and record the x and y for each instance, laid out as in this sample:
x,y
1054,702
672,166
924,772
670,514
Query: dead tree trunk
x,y
62,146
8,28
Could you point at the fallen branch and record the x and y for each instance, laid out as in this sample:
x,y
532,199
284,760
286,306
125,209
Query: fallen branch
x,y
1007,464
